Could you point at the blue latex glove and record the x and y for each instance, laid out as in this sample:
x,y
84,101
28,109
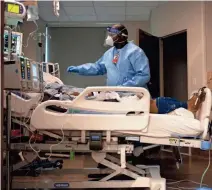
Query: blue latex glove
x,y
72,69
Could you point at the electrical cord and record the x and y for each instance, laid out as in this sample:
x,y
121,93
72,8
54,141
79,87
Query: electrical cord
x,y
181,181
181,187
206,170
38,151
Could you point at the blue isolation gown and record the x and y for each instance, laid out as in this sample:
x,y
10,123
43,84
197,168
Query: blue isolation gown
x,y
131,69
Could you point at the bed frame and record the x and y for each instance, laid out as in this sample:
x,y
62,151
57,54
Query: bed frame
x,y
87,136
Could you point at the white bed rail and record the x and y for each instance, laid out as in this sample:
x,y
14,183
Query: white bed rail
x,y
204,113
124,106
21,107
43,118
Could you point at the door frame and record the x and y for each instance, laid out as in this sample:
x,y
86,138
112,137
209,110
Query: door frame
x,y
173,34
161,56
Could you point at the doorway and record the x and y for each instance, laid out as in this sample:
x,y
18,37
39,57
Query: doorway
x,y
150,45
168,64
175,72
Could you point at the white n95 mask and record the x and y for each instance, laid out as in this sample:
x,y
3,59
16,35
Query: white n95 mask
x,y
109,41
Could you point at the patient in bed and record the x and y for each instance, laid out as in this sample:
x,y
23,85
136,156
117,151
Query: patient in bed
x,y
165,105
160,105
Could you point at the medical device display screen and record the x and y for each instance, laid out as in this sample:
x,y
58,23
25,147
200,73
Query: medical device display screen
x,y
22,61
34,72
12,8
44,67
16,39
6,41
28,70
95,138
50,68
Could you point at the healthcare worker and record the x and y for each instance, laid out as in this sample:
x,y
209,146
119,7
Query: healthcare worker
x,y
124,63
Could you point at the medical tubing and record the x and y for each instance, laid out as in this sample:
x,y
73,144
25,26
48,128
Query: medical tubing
x,y
31,35
206,170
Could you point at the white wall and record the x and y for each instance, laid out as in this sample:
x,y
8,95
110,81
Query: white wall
x,y
172,17
30,46
208,34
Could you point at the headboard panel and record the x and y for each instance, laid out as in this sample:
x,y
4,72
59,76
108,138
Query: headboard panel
x,y
205,109
203,113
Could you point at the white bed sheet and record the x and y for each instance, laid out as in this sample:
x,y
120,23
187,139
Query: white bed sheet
x,y
179,123
159,125
170,126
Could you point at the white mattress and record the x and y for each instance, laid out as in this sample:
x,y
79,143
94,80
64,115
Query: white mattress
x,y
161,125
179,123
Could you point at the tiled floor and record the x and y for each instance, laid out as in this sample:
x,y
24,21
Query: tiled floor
x,y
191,169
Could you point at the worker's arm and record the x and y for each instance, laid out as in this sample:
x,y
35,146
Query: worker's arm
x,y
140,65
89,69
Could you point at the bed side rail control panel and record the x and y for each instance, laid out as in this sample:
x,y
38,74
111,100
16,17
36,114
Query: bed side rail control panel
x,y
95,141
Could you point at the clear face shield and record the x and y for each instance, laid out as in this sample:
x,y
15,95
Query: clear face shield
x,y
111,34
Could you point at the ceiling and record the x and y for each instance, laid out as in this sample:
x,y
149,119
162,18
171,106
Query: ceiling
x,y
97,11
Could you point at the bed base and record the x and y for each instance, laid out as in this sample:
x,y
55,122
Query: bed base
x,y
142,176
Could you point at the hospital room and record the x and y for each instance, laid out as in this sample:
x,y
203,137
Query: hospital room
x,y
106,95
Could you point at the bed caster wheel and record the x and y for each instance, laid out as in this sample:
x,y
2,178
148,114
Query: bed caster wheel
x,y
59,165
138,151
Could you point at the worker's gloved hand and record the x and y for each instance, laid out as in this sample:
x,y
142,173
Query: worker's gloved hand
x,y
72,69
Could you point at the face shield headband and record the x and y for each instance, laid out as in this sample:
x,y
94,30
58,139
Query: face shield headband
x,y
113,32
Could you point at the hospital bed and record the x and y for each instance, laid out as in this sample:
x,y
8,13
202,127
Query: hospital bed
x,y
115,116
98,130
22,103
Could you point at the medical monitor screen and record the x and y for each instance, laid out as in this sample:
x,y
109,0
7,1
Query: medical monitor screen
x,y
34,72
5,41
12,8
16,40
51,69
